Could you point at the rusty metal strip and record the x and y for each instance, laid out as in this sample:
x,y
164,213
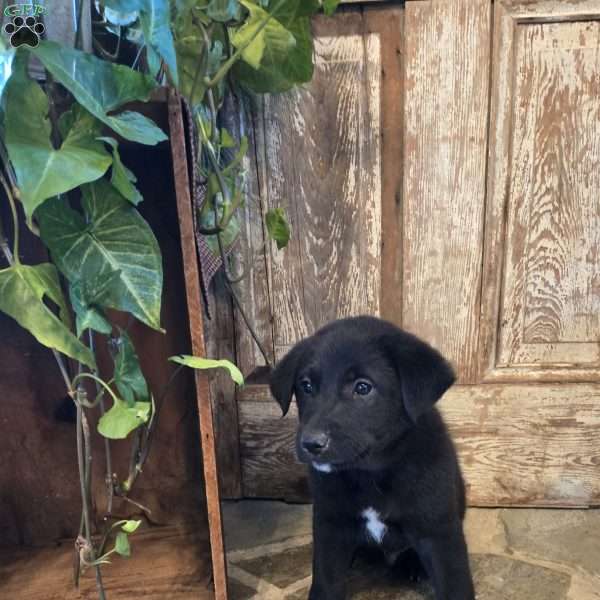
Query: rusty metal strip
x,y
195,315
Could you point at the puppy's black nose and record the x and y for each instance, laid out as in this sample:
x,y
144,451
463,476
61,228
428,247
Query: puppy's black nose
x,y
315,442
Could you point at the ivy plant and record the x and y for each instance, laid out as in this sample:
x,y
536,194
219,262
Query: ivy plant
x,y
62,173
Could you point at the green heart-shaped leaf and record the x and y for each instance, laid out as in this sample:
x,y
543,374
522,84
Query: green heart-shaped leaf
x,y
101,87
122,546
131,526
112,243
154,16
257,38
22,290
43,171
195,362
280,71
278,227
118,422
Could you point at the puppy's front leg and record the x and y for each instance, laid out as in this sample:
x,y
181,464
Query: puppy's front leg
x,y
446,560
334,543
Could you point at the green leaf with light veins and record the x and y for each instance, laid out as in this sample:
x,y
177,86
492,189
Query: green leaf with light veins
x,y
102,87
22,292
43,171
109,241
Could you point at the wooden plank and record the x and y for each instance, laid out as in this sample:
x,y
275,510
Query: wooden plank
x,y
165,562
253,289
528,445
220,343
195,316
322,157
269,464
542,289
552,285
388,22
550,10
446,85
513,452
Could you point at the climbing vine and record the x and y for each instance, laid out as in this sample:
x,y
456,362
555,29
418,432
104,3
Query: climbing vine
x,y
62,173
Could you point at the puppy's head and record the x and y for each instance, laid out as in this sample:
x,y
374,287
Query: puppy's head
x,y
360,384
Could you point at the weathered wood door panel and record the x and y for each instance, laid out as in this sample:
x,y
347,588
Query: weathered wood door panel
x,y
543,236
446,88
322,159
443,170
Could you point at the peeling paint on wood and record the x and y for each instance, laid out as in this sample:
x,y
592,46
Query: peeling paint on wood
x,y
489,228
323,165
542,275
446,111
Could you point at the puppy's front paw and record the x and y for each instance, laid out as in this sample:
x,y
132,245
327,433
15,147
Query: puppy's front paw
x,y
320,593
408,566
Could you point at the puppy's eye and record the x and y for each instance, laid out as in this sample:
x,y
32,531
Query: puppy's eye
x,y
306,386
362,388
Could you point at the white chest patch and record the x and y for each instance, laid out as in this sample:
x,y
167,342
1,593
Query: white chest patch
x,y
323,467
375,526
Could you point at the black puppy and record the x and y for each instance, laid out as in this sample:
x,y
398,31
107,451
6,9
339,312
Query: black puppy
x,y
383,467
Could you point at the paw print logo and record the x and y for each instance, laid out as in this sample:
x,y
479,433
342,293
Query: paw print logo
x,y
24,31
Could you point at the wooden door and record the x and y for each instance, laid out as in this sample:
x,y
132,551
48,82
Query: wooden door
x,y
442,170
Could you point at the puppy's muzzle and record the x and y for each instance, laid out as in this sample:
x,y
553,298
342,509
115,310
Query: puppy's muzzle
x,y
314,442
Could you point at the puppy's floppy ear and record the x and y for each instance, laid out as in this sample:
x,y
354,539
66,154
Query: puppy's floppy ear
x,y
284,375
424,373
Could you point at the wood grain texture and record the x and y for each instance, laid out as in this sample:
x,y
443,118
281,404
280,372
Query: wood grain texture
x,y
550,10
541,275
196,325
269,465
513,452
165,563
220,343
445,135
388,22
323,165
251,252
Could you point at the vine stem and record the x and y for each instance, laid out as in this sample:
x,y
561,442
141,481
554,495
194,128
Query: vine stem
x,y
81,462
99,381
84,460
141,450
204,59
109,477
229,284
221,223
63,370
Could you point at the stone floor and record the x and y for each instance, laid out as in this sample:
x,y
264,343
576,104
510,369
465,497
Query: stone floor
x,y
516,554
